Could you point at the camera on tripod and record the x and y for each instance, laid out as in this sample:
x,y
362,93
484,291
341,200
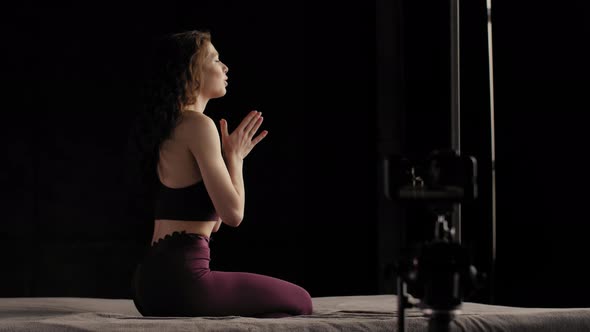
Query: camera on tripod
x,y
442,270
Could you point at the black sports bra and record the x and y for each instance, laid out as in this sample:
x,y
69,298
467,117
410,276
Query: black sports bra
x,y
190,203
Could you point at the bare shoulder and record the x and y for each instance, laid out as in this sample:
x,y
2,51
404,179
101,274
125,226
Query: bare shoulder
x,y
196,125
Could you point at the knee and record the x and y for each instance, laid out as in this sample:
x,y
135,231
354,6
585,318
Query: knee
x,y
305,304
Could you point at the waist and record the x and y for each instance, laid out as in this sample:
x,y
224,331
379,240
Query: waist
x,y
163,227
179,252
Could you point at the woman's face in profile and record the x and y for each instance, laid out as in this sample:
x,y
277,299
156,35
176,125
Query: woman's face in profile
x,y
213,75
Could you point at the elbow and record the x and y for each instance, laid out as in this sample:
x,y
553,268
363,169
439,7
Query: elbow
x,y
233,219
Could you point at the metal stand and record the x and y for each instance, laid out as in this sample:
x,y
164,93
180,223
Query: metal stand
x,y
493,146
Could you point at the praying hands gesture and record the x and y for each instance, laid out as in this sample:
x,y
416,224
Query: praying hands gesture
x,y
240,142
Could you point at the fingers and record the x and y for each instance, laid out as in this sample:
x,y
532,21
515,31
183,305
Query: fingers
x,y
223,124
254,128
251,116
246,129
251,128
259,137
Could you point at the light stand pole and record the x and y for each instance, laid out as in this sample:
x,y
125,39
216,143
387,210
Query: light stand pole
x,y
455,99
493,146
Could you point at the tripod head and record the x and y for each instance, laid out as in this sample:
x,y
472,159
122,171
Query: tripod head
x,y
440,180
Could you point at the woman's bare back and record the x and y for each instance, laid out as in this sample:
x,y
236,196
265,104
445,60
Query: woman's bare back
x,y
177,168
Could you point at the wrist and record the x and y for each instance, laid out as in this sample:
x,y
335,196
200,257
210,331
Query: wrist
x,y
232,158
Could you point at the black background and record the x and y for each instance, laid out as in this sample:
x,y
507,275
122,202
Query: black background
x,y
72,75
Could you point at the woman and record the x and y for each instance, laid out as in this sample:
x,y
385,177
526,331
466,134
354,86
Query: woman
x,y
199,187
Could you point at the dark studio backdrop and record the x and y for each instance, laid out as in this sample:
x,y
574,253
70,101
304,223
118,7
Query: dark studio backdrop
x,y
339,85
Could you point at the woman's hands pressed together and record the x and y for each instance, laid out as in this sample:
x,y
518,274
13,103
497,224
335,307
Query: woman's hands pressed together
x,y
240,142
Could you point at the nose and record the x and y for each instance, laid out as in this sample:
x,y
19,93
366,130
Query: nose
x,y
225,68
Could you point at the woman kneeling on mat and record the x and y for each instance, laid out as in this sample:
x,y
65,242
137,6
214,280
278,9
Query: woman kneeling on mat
x,y
200,185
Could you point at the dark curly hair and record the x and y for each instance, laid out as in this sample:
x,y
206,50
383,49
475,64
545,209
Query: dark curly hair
x,y
172,80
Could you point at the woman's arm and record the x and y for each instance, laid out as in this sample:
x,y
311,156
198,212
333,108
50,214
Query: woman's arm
x,y
217,225
204,143
221,161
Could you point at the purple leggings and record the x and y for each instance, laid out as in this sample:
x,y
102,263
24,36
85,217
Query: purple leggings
x,y
174,280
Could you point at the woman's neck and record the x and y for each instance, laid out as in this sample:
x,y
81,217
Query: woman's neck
x,y
198,106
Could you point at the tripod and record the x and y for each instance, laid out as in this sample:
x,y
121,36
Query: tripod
x,y
443,271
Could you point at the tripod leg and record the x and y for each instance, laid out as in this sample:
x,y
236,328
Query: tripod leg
x,y
401,303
